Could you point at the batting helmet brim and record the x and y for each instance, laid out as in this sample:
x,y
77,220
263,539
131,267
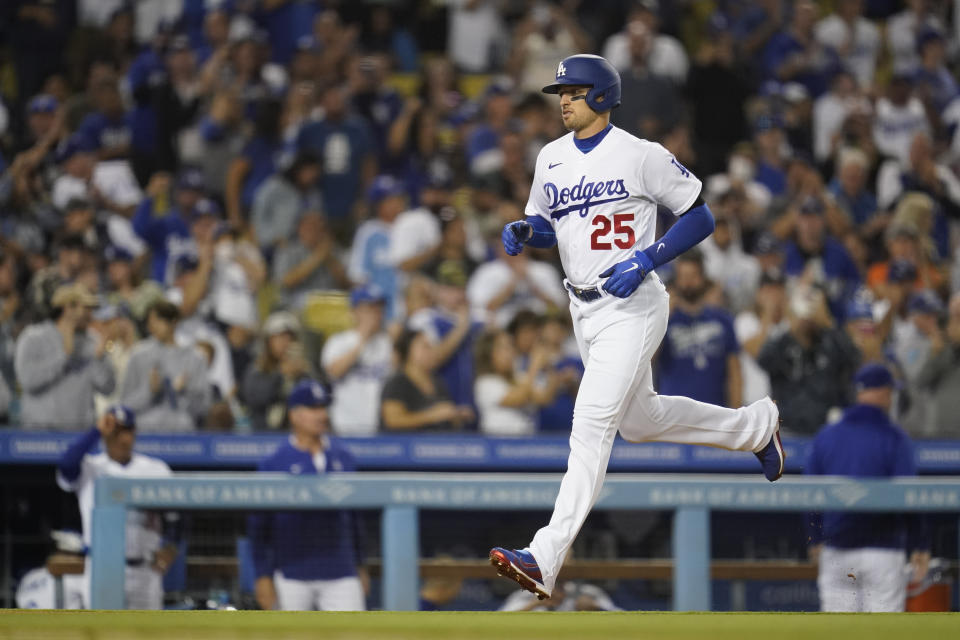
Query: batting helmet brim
x,y
555,87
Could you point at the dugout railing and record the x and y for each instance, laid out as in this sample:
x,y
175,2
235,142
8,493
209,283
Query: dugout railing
x,y
400,496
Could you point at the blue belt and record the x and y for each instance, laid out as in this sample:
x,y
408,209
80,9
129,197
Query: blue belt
x,y
586,294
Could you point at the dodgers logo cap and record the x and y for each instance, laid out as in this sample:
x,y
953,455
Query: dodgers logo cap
x,y
309,393
124,416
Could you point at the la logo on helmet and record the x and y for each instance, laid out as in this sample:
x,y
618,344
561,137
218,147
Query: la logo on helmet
x,y
561,70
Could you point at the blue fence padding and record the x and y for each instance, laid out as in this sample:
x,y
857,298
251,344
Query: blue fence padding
x,y
448,452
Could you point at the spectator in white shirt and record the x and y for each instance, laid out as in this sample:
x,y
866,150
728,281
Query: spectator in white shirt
x,y
475,35
728,265
900,116
767,318
832,109
903,30
666,57
498,289
415,235
854,39
507,398
358,362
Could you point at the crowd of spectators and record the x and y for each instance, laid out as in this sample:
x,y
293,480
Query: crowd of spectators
x,y
185,182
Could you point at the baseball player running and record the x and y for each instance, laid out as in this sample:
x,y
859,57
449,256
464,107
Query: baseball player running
x,y
595,194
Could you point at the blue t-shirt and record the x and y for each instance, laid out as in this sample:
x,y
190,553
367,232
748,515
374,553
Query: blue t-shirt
x,y
780,48
107,132
840,272
772,178
693,355
286,24
342,147
862,207
322,544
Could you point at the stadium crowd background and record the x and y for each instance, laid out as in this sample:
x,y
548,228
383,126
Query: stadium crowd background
x,y
235,195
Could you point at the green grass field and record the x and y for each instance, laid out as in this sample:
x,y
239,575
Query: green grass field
x,y
210,625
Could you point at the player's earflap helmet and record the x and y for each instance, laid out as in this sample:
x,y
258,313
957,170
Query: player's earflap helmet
x,y
590,71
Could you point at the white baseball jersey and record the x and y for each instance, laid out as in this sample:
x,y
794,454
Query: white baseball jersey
x,y
143,529
603,204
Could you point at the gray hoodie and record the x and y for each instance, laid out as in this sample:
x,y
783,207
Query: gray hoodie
x,y
58,387
167,410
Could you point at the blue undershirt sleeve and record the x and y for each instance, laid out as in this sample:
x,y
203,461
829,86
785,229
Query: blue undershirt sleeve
x,y
688,231
543,236
72,458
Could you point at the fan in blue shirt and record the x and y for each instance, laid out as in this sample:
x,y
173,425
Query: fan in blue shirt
x,y
814,248
163,224
306,560
865,444
699,355
110,126
342,141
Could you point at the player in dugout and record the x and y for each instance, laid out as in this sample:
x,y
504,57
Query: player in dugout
x,y
309,560
862,557
150,536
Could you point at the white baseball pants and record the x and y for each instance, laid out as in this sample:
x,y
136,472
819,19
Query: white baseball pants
x,y
617,339
341,594
862,579
142,588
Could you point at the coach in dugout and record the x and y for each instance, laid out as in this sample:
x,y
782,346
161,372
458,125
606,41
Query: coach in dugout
x,y
150,549
309,560
862,556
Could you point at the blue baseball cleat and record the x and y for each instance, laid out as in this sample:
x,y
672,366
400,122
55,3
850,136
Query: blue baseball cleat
x,y
521,567
772,457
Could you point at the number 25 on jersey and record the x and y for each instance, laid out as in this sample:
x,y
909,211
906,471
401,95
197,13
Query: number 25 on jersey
x,y
623,235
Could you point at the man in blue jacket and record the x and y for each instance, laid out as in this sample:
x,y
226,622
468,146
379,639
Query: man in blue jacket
x,y
862,556
307,560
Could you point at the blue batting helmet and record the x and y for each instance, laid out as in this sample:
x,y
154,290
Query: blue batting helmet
x,y
589,71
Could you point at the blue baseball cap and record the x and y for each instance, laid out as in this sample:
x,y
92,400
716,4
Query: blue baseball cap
x,y
925,302
499,86
124,416
927,36
185,262
859,309
766,122
307,43
812,205
113,253
205,207
901,271
766,243
310,393
384,186
77,143
179,42
367,293
42,103
873,376
191,178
